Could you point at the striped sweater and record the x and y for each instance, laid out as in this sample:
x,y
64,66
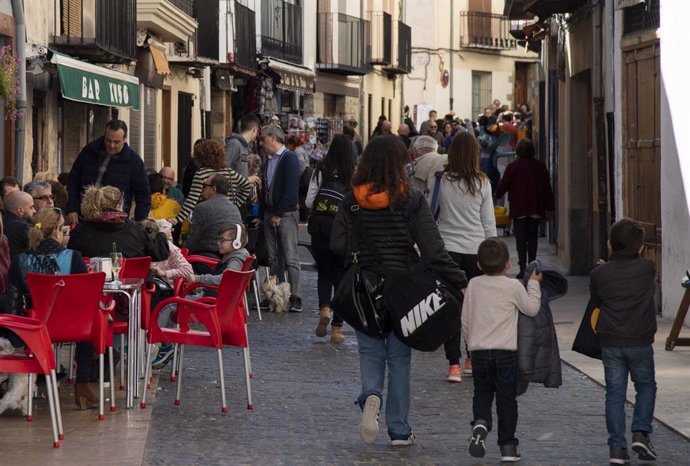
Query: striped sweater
x,y
240,192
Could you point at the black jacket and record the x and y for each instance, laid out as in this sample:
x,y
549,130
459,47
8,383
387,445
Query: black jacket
x,y
95,239
125,171
538,357
623,289
283,193
393,232
16,229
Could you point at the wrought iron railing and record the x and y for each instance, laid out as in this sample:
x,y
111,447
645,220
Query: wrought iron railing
x,y
101,30
207,15
342,44
187,6
641,17
245,36
381,37
281,30
485,30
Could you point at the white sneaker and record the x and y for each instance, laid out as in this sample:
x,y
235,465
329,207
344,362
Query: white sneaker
x,y
369,425
403,442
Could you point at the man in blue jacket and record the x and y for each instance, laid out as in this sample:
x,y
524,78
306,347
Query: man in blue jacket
x,y
280,202
109,161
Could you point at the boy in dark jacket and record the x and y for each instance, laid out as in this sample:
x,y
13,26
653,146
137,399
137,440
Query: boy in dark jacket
x,y
623,290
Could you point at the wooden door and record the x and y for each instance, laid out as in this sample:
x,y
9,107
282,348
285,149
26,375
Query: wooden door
x,y
642,144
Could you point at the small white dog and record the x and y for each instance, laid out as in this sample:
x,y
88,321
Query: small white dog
x,y
278,294
13,387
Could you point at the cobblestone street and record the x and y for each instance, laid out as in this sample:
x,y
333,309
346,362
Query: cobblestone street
x,y
304,390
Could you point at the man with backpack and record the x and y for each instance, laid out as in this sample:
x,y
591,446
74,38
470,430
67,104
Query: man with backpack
x,y
329,184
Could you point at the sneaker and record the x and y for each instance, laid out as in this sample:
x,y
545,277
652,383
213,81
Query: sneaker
x,y
618,455
454,374
477,447
369,425
295,304
643,446
467,369
165,354
509,454
403,442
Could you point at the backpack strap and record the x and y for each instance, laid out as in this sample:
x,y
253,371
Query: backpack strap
x,y
434,195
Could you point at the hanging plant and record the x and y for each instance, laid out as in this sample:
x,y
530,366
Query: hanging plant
x,y
9,82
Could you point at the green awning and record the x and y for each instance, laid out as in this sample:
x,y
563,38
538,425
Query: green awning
x,y
92,84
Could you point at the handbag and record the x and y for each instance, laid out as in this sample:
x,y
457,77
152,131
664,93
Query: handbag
x,y
424,310
586,341
359,296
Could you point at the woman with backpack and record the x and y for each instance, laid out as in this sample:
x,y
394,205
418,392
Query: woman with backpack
x,y
329,183
391,219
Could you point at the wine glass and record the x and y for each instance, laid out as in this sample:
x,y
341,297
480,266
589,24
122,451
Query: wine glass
x,y
116,260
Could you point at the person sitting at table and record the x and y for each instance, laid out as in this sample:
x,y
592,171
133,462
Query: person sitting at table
x,y
165,273
232,240
104,224
45,254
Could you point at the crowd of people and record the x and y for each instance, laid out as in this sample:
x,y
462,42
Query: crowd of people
x,y
426,194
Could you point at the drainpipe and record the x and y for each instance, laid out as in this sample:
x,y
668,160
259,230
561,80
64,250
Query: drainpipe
x,y
361,88
452,70
19,124
600,131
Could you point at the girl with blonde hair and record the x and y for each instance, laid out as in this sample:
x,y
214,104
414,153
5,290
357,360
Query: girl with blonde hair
x,y
45,254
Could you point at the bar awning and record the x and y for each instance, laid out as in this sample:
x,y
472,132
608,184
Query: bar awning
x,y
293,77
92,84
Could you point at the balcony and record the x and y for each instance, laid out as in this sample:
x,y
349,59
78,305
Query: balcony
x,y
403,63
245,37
208,42
102,31
171,21
381,41
281,30
485,31
524,9
343,45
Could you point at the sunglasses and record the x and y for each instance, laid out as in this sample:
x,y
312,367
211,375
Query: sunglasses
x,y
45,198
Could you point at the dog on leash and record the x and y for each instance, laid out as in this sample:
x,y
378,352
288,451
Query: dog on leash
x,y
14,388
277,294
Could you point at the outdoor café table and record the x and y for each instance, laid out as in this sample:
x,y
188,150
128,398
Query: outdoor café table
x,y
131,288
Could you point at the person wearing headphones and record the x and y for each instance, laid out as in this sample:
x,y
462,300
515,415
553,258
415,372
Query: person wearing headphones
x,y
232,240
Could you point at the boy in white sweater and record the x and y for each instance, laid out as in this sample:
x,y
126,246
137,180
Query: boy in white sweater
x,y
489,323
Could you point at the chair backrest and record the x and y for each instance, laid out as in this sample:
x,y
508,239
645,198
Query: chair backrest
x,y
248,262
231,313
76,314
136,267
184,252
46,292
210,262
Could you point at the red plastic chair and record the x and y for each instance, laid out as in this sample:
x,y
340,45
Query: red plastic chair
x,y
39,357
138,268
77,316
224,320
184,252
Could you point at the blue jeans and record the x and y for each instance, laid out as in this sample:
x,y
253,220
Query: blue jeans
x,y
638,361
285,254
495,372
374,354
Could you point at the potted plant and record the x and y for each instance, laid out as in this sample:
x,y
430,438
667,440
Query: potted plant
x,y
9,82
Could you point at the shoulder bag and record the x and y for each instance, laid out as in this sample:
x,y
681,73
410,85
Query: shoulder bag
x,y
359,296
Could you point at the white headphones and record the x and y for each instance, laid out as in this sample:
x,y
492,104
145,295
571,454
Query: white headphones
x,y
237,242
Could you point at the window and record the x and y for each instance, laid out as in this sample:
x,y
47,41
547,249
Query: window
x,y
481,92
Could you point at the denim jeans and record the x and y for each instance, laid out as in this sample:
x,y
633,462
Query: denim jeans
x,y
495,371
638,361
374,354
286,234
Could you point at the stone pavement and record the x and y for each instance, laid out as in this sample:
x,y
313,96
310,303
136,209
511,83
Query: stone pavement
x,y
304,390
